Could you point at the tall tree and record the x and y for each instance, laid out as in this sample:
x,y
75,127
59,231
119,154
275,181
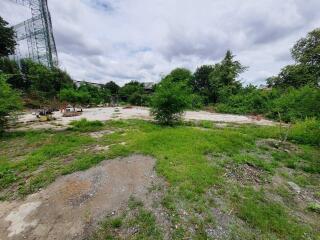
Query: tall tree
x,y
307,51
7,40
180,75
306,71
296,76
230,69
132,92
113,87
224,78
200,81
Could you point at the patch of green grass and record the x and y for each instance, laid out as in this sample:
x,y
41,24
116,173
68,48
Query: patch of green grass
x,y
314,207
184,159
137,218
50,150
84,125
206,124
83,162
134,203
116,222
269,217
285,193
255,160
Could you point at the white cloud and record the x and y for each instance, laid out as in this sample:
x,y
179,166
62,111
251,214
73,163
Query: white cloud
x,y
120,40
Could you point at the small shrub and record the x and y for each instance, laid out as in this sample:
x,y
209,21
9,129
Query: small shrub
x,y
169,102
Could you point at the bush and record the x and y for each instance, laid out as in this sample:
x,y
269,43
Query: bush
x,y
196,101
169,102
9,102
297,104
249,100
133,93
306,132
292,105
74,97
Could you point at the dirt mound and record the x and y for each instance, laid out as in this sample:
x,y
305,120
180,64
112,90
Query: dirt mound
x,y
73,204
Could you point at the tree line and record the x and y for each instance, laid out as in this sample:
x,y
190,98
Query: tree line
x,y
290,96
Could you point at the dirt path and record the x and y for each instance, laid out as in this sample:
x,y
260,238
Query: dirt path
x,y
73,204
104,114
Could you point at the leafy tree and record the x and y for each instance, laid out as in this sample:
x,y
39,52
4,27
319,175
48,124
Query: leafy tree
x,y
180,75
169,101
105,94
272,81
61,79
44,82
14,76
7,39
132,92
97,95
306,71
113,87
217,82
200,81
9,102
74,97
307,51
230,70
296,76
223,78
94,93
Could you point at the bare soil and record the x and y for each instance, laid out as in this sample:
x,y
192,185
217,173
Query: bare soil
x,y
73,205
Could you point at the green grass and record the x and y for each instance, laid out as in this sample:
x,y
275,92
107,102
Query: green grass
x,y
84,125
192,158
136,217
269,217
43,159
314,207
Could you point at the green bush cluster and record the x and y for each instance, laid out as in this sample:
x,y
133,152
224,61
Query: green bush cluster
x,y
169,101
289,106
306,132
9,102
296,104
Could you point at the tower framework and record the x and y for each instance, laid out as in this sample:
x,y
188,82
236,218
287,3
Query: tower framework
x,y
37,33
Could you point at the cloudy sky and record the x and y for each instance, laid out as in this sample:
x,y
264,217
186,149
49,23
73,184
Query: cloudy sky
x,y
122,40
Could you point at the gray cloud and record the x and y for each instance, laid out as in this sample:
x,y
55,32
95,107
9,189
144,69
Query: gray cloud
x,y
121,40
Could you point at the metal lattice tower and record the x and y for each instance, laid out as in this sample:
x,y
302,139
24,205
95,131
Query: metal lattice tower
x,y
38,33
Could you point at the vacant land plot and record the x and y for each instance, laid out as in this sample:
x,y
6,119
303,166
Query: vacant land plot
x,y
29,120
210,181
